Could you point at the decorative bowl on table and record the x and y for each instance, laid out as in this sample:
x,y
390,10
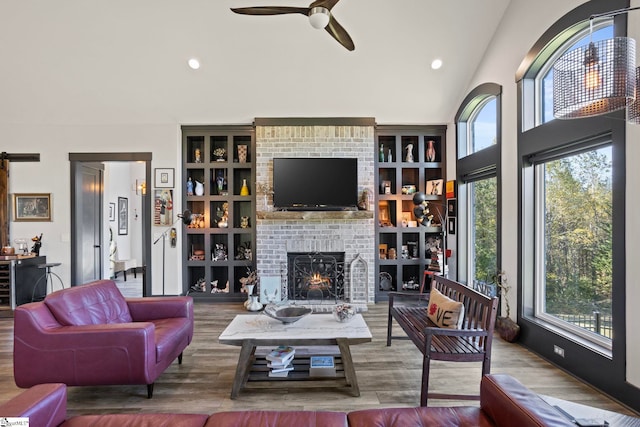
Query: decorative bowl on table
x,y
287,314
344,312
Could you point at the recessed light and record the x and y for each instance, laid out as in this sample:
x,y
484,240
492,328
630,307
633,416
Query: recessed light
x,y
436,64
194,64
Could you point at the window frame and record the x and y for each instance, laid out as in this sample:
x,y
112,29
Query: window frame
x,y
602,368
471,167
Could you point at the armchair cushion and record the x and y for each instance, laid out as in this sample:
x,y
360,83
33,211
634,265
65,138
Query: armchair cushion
x,y
443,311
96,305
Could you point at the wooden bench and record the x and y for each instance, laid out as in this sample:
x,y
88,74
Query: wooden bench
x,y
470,343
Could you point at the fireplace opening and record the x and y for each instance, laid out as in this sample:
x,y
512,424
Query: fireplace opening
x,y
315,277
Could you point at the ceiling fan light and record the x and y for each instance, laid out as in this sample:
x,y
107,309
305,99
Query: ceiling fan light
x,y
319,17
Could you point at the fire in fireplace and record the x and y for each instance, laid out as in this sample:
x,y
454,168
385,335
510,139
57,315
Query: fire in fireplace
x,y
315,277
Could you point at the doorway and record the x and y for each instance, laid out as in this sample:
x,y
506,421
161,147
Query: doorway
x,y
90,244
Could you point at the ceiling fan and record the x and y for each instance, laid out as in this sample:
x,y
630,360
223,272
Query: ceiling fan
x,y
319,13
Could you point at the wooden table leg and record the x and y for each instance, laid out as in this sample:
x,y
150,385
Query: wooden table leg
x,y
347,363
245,360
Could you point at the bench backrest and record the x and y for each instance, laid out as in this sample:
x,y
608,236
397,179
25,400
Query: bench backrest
x,y
479,310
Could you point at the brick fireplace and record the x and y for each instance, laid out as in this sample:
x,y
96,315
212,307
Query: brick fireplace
x,y
323,232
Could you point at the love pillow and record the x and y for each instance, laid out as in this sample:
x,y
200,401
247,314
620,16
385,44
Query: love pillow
x,y
443,311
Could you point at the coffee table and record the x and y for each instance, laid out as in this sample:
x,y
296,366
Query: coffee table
x,y
311,335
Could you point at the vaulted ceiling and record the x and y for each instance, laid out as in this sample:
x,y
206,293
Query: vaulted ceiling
x,y
123,61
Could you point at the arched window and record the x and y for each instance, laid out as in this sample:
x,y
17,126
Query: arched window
x,y
478,149
570,171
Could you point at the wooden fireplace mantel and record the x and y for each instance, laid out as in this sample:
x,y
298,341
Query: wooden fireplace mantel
x,y
314,215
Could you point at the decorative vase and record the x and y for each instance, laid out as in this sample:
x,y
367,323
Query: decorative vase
x,y
242,153
244,191
249,294
409,157
223,223
431,151
254,303
199,190
220,182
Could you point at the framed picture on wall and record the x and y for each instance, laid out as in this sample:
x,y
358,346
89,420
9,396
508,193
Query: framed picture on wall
x,y
32,207
123,216
164,178
112,212
434,187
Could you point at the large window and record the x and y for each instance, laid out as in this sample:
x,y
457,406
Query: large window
x,y
574,243
478,242
483,248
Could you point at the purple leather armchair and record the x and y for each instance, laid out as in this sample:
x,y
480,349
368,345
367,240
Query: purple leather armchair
x,y
92,335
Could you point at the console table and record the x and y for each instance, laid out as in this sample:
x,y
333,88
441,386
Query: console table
x,y
311,335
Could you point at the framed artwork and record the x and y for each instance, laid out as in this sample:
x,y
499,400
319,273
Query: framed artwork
x,y
452,226
163,207
434,187
452,208
112,212
164,178
270,289
32,207
123,216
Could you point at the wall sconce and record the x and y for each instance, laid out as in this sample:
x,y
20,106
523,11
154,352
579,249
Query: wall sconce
x,y
141,187
598,79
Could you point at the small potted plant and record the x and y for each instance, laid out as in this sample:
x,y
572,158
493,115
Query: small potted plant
x,y
508,329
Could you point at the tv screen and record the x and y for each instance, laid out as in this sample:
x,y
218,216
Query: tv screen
x,y
315,183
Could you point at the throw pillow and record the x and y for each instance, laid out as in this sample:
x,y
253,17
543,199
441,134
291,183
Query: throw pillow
x,y
443,311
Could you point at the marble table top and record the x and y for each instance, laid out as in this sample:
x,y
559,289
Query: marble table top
x,y
314,326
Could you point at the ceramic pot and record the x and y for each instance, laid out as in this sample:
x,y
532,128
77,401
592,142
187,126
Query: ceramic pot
x,y
242,153
199,190
254,303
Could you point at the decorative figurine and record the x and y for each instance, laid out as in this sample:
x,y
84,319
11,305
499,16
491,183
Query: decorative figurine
x,y
189,187
35,249
198,156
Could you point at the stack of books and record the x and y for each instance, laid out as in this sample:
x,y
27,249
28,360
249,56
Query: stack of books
x,y
322,366
280,360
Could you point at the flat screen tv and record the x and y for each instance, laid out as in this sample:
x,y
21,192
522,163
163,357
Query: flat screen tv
x,y
315,183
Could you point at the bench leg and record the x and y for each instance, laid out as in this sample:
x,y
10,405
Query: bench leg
x,y
150,391
389,321
426,365
180,359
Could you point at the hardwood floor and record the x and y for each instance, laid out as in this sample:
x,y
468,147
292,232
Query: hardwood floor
x,y
388,376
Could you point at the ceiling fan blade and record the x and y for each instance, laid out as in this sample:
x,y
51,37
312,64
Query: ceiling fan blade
x,y
338,32
270,10
324,3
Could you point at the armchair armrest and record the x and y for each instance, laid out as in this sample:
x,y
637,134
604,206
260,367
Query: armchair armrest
x,y
154,308
44,405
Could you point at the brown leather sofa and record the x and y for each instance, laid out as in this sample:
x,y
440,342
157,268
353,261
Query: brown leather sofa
x,y
504,402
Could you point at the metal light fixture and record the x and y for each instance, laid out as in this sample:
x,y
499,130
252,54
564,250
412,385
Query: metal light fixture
x,y
595,80
319,17
633,110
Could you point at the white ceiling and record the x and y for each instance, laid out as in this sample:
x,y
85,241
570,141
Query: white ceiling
x,y
124,61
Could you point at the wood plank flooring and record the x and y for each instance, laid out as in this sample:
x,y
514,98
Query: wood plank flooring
x,y
387,376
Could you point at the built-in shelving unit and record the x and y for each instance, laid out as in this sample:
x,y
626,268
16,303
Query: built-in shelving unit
x,y
409,159
218,252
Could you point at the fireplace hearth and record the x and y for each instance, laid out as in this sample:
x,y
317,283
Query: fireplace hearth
x,y
315,277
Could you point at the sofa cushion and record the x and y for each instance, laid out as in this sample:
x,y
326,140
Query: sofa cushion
x,y
171,335
443,311
419,417
137,420
277,418
95,303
